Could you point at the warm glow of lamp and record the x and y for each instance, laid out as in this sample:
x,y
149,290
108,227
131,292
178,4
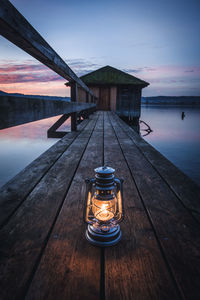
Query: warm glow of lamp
x,y
103,208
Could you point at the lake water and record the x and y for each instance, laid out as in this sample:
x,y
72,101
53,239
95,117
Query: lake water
x,y
175,137
20,145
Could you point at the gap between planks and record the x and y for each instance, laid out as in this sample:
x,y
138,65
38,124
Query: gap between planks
x,y
25,236
175,228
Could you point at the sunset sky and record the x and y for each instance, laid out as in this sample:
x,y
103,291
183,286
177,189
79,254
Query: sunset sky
x,y
155,40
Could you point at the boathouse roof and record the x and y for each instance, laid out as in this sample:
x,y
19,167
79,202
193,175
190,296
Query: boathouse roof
x,y
111,76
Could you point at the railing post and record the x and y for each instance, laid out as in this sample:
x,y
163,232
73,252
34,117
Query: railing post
x,y
87,97
74,94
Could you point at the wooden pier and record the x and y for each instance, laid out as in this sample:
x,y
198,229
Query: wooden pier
x,y
44,253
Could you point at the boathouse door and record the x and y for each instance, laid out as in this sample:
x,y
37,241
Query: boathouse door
x,y
104,98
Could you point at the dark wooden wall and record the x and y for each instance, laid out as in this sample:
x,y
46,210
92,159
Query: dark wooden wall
x,y
123,99
128,101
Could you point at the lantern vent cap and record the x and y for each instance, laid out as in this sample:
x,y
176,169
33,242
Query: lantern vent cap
x,y
104,170
104,178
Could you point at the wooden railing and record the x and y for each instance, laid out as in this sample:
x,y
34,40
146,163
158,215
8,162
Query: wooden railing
x,y
15,28
19,110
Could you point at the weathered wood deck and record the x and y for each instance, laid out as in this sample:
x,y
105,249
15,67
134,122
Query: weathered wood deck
x,y
44,254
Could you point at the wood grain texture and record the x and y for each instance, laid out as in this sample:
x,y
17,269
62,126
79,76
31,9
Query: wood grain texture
x,y
70,266
19,31
43,250
186,190
20,110
74,95
177,231
25,235
14,192
135,268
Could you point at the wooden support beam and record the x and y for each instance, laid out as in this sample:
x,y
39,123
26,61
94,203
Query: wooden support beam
x,y
74,96
52,133
73,121
87,97
15,28
74,92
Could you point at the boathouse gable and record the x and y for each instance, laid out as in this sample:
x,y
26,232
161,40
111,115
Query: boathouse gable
x,y
115,90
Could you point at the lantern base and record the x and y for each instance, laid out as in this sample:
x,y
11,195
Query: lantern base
x,y
101,238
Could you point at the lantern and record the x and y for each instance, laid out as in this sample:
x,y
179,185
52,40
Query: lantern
x,y
103,208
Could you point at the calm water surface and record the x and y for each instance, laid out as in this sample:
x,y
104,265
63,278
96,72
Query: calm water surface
x,y
175,136
20,145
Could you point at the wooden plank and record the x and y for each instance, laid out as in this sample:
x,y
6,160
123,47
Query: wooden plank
x,y
19,110
177,231
70,266
135,268
185,189
13,193
15,28
26,234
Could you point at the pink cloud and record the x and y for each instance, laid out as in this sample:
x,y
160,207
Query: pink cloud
x,y
12,72
10,68
32,77
20,78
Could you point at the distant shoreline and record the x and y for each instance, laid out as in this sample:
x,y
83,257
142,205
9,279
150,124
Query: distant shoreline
x,y
154,100
171,100
170,104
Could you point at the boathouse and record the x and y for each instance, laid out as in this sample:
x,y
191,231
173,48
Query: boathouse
x,y
115,90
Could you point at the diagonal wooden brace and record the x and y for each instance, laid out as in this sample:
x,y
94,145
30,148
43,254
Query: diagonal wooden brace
x,y
52,133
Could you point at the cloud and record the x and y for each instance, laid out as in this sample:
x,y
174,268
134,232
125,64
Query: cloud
x,y
133,70
32,77
189,71
140,70
15,72
30,71
20,78
81,66
10,68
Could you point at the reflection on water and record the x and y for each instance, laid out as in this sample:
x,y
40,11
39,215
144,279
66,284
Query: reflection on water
x,y
20,145
176,134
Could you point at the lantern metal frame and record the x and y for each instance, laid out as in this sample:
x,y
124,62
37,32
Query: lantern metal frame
x,y
100,232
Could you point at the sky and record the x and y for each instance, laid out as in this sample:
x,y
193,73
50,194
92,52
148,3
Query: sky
x,y
155,40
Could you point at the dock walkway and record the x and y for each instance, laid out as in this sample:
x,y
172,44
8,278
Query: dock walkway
x,y
43,251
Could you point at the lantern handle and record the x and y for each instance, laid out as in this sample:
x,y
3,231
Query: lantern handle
x,y
119,186
89,183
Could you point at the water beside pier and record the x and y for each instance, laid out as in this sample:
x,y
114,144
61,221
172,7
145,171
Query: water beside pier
x,y
176,134
20,145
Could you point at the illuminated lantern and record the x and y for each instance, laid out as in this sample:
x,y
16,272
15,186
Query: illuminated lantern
x,y
103,208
